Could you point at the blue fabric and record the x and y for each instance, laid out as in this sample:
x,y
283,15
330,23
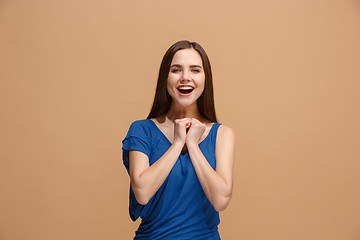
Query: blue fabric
x,y
180,208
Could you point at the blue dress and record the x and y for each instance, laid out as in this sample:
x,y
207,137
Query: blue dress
x,y
180,208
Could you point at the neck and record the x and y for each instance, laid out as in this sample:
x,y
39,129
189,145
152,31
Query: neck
x,y
178,112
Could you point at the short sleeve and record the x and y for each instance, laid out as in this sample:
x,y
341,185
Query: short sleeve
x,y
138,139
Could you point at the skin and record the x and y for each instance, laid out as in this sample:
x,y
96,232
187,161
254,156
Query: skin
x,y
185,128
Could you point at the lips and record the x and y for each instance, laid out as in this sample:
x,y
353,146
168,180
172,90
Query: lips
x,y
185,90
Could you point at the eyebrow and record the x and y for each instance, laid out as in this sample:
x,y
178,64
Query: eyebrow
x,y
192,66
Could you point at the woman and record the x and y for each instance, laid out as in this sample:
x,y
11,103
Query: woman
x,y
180,159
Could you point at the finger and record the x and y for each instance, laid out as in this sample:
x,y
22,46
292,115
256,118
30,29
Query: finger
x,y
182,120
185,123
196,122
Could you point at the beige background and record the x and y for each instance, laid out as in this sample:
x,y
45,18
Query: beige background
x,y
75,74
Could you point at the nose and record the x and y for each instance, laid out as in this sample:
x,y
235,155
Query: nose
x,y
185,76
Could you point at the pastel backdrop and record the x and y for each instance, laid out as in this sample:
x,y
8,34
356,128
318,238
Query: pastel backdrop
x,y
75,74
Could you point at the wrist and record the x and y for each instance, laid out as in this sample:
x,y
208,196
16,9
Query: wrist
x,y
178,143
191,143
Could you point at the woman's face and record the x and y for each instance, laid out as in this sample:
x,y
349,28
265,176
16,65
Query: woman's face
x,y
186,78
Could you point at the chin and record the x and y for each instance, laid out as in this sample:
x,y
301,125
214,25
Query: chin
x,y
186,103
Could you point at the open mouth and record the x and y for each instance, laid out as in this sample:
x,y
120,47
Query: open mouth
x,y
185,89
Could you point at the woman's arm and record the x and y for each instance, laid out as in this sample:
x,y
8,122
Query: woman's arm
x,y
145,179
217,184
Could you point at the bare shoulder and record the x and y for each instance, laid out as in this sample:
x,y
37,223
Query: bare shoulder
x,y
225,133
225,150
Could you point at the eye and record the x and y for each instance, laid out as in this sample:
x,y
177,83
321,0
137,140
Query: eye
x,y
196,70
175,70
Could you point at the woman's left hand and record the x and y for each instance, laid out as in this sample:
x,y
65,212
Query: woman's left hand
x,y
195,132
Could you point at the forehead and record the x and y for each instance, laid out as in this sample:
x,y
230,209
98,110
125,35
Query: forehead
x,y
187,56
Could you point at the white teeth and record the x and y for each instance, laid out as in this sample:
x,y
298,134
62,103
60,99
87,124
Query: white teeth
x,y
185,88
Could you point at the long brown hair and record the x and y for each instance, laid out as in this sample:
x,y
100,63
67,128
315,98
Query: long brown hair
x,y
162,99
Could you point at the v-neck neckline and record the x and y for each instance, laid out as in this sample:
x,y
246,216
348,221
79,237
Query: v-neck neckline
x,y
164,136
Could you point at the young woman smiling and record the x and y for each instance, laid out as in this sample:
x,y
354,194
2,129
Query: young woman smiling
x,y
179,159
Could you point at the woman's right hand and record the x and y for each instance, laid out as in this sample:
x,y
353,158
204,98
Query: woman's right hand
x,y
180,129
146,179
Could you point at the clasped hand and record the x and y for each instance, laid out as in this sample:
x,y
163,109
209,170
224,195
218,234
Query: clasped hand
x,y
188,130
